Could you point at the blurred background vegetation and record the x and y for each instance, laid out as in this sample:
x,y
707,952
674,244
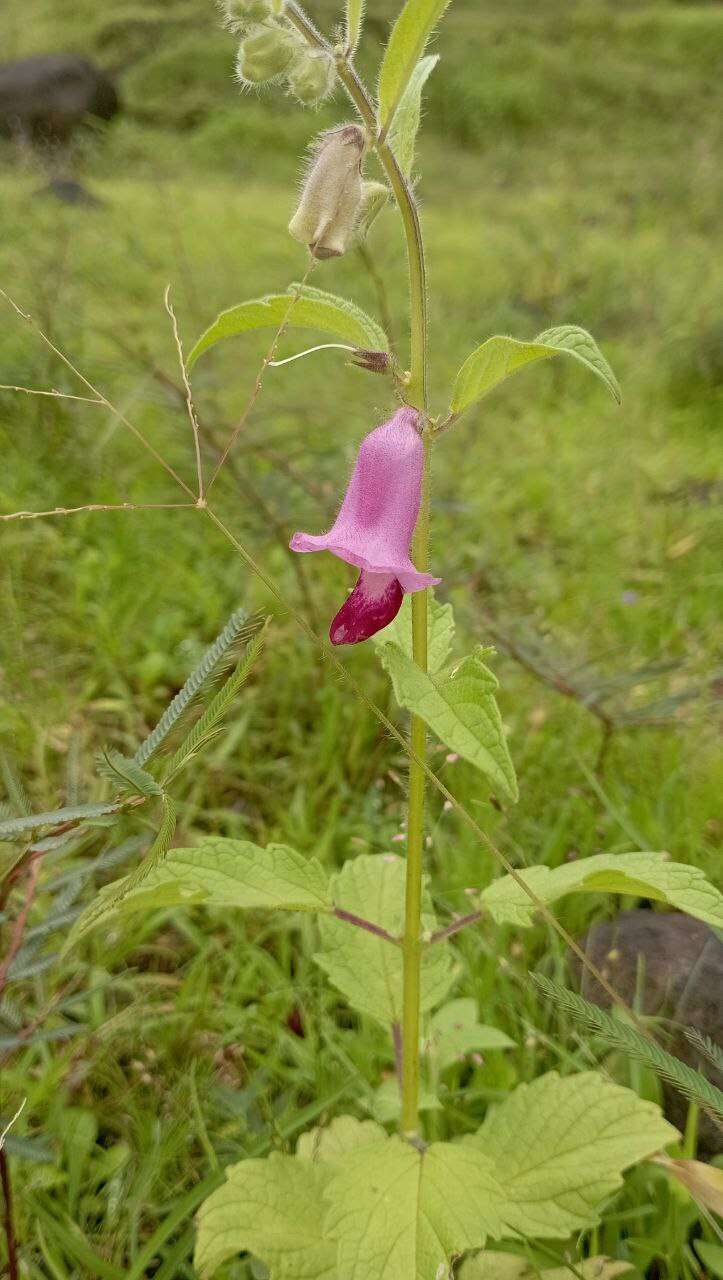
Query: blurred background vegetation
x,y
570,167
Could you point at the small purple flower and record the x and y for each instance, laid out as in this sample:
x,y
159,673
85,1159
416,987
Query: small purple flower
x,y
374,528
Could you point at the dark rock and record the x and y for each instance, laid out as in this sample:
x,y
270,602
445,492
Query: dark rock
x,y
676,965
45,98
70,192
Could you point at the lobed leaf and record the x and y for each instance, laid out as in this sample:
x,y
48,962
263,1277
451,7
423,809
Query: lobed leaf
x,y
643,875
365,968
405,46
454,1031
460,709
559,1148
403,135
398,1213
499,357
217,873
312,309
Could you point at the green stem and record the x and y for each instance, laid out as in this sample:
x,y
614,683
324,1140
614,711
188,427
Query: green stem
x,y
416,393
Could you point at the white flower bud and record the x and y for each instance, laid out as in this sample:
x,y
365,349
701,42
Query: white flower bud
x,y
331,196
266,52
312,77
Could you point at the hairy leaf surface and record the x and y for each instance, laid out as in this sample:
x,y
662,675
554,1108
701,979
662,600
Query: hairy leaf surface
x,y
499,357
403,136
405,47
559,1148
460,709
312,309
440,632
644,875
368,969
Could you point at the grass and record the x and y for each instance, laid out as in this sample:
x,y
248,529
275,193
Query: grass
x,y
569,174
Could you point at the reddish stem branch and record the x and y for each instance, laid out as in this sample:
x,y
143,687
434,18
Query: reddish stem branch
x,y
19,927
368,925
454,926
13,1272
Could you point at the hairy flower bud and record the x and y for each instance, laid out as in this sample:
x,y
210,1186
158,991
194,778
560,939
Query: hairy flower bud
x,y
331,196
239,13
265,53
312,77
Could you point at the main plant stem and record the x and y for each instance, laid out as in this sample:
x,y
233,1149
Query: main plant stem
x,y
416,395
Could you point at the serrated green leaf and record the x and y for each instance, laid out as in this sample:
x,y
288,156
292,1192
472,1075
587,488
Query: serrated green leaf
x,y
126,774
312,309
328,1144
454,1031
460,709
217,873
403,135
559,1148
400,1214
507,1266
440,632
406,44
644,875
499,357
365,968
354,19
272,1208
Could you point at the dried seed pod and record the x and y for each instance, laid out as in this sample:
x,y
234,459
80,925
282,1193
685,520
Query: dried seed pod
x,y
331,196
312,77
265,53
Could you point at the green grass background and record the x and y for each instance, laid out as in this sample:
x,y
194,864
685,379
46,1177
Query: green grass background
x,y
570,172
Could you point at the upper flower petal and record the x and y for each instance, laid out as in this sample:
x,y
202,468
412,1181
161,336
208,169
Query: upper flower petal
x,y
376,521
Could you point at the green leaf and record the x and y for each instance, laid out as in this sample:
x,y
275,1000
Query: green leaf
x,y
127,775
460,708
386,1103
508,1266
643,875
272,1208
403,136
218,873
74,813
559,1148
440,632
407,41
499,357
312,309
454,1031
711,1255
398,1213
365,968
354,19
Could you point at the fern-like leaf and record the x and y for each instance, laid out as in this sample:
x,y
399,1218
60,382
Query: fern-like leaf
x,y
626,1039
237,628
706,1047
126,774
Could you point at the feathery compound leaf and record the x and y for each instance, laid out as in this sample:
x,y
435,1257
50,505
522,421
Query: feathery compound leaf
x,y
406,44
311,309
74,813
643,875
705,1046
499,357
236,628
559,1147
460,709
403,136
218,873
126,774
207,725
625,1038
368,969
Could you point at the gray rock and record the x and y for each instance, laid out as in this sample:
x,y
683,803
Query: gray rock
x,y
45,98
677,965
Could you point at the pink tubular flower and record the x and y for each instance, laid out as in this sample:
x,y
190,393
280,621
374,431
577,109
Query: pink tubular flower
x,y
374,528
